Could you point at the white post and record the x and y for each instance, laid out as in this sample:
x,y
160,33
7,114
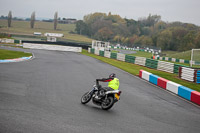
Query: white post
x,y
191,58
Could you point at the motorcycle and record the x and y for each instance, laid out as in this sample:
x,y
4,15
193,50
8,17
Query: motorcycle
x,y
101,97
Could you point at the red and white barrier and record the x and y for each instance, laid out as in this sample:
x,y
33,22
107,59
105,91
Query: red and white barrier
x,y
178,89
145,75
173,87
162,82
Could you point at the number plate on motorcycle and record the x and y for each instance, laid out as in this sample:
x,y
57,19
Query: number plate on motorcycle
x,y
117,96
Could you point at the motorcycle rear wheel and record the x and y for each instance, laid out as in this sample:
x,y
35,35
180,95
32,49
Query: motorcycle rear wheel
x,y
108,103
86,98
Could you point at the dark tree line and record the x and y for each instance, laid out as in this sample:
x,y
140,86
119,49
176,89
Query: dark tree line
x,y
147,31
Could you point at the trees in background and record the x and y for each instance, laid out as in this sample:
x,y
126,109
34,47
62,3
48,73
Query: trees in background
x,y
9,18
55,20
82,28
32,21
147,31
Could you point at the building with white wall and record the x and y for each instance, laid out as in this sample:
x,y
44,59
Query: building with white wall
x,y
100,45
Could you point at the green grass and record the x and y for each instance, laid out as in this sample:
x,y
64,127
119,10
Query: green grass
x,y
115,51
8,54
178,55
193,66
142,54
186,55
181,55
134,69
23,27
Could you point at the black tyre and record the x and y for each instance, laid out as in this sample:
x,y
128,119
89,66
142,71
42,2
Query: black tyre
x,y
108,103
86,98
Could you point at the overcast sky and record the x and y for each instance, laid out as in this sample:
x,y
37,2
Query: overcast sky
x,y
170,10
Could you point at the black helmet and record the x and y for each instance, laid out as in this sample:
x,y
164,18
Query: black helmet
x,y
112,75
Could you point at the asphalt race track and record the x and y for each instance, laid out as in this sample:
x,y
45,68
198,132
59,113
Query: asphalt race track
x,y
43,96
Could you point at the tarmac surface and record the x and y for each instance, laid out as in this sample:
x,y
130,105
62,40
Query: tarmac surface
x,y
43,96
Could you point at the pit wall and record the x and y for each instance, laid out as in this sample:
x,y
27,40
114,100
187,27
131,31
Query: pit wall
x,y
173,87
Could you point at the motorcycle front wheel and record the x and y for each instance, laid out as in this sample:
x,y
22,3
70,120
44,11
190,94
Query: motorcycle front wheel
x,y
86,98
108,103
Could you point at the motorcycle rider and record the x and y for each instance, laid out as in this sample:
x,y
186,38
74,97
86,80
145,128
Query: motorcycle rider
x,y
112,85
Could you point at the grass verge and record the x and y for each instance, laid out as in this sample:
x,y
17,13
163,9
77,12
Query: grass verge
x,y
134,69
142,54
23,28
8,54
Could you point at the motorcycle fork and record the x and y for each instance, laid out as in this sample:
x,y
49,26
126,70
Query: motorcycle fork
x,y
106,97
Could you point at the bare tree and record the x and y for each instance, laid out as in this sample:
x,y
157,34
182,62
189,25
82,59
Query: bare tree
x,y
32,22
9,18
55,20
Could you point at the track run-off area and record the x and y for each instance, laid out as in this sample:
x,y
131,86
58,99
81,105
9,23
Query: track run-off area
x,y
43,95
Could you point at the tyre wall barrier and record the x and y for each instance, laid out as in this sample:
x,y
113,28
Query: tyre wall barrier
x,y
92,50
175,60
166,66
96,52
189,74
140,61
176,68
120,57
173,87
198,77
150,63
130,59
52,47
113,55
101,53
107,54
